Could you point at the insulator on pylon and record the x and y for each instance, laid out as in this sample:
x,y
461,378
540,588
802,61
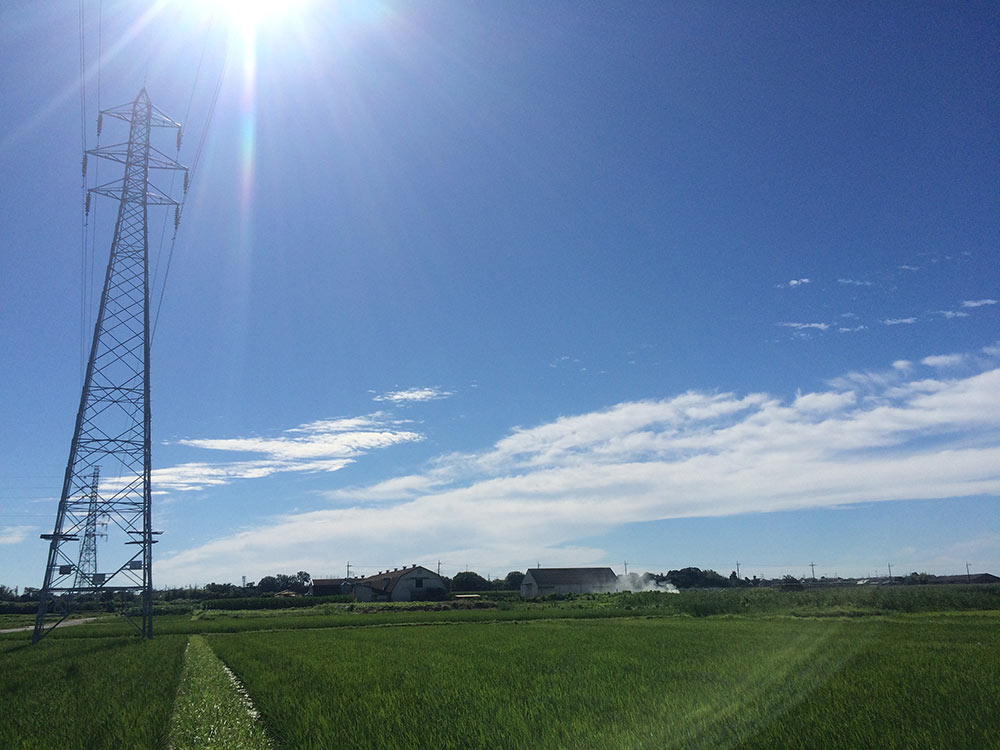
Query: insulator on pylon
x,y
187,181
177,217
86,205
83,166
178,139
100,123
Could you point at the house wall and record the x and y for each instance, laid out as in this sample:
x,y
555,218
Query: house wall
x,y
530,589
407,587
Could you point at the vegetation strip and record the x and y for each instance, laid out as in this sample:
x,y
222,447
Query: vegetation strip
x,y
213,710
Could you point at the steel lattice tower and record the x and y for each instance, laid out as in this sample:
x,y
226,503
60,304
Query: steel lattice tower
x,y
113,422
87,566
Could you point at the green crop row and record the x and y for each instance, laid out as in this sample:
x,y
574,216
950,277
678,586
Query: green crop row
x,y
910,681
831,602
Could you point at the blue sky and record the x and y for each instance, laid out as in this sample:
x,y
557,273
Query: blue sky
x,y
500,285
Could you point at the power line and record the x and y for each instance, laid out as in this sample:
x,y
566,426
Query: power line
x,y
88,240
83,187
173,176
179,211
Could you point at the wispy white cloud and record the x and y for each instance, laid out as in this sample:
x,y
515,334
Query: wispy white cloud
x,y
944,360
794,283
323,445
346,424
978,302
413,395
539,490
855,329
805,326
14,534
394,489
855,282
898,321
198,475
313,447
950,314
905,267
874,381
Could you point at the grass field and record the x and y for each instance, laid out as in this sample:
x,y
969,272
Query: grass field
x,y
913,681
87,693
793,670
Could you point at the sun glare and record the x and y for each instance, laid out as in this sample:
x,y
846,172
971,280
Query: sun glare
x,y
250,16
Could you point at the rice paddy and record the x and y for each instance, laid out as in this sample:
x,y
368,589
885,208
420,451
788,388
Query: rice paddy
x,y
583,673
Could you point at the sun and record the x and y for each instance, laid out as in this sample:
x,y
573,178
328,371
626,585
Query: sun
x,y
250,16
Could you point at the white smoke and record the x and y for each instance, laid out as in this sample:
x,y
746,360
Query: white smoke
x,y
636,583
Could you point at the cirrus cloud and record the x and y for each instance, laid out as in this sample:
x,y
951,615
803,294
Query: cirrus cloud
x,y
324,445
14,534
413,395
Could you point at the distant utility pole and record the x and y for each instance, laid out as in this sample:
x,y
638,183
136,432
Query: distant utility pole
x,y
244,581
439,567
812,566
626,567
968,574
348,568
890,571
737,568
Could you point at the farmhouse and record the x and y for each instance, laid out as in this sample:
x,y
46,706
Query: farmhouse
x,y
968,578
400,585
543,581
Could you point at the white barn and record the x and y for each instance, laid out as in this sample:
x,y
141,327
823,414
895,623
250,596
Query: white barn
x,y
544,581
400,585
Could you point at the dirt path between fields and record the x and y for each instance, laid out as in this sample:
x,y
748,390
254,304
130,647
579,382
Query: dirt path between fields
x,y
63,624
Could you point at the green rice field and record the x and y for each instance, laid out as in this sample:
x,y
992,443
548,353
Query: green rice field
x,y
581,673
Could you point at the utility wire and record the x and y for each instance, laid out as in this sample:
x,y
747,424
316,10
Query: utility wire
x,y
173,174
88,233
83,189
92,281
191,172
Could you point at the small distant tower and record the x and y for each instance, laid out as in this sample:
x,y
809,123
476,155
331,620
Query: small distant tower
x,y
86,568
113,421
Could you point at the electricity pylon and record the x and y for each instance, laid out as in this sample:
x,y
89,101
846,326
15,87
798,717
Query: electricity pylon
x,y
113,422
87,566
